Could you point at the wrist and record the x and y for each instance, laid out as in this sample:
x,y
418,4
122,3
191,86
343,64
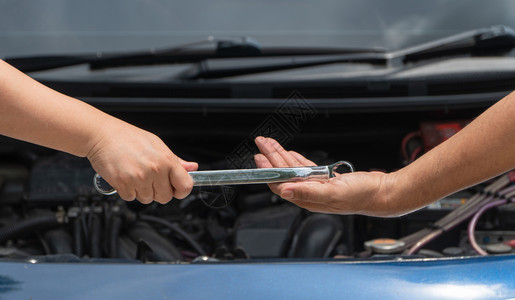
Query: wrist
x,y
105,128
395,195
386,195
405,191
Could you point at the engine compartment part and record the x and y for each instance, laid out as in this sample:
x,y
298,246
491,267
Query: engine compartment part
x,y
385,245
266,233
316,237
49,209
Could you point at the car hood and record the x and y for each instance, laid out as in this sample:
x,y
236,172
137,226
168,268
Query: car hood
x,y
456,278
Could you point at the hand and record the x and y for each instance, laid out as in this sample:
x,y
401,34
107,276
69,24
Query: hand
x,y
351,193
139,165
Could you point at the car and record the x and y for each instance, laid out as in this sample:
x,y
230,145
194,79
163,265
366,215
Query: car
x,y
374,83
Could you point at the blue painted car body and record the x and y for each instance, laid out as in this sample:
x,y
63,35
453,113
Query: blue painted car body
x,y
455,278
57,29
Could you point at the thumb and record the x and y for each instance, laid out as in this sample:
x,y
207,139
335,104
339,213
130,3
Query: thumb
x,y
188,165
306,191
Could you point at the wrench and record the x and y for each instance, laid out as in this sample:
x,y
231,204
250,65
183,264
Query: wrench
x,y
247,176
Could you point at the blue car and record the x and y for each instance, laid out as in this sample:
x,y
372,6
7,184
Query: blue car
x,y
374,83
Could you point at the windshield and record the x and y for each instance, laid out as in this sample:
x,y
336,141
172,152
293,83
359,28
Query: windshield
x,y
65,27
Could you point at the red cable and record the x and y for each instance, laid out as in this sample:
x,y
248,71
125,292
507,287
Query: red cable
x,y
405,141
415,153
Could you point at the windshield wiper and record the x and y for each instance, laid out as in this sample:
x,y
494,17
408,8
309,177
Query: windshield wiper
x,y
495,40
187,53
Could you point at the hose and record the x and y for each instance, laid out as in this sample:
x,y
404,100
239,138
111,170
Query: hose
x,y
404,143
426,239
175,229
506,194
115,226
77,237
38,222
59,241
473,222
95,236
417,240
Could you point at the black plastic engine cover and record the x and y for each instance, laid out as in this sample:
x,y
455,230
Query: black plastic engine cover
x,y
266,233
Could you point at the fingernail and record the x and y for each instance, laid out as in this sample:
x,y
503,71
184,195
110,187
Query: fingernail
x,y
287,194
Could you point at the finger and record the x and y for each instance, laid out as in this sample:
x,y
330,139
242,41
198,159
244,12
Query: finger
x,y
181,181
144,188
121,184
126,194
163,191
302,160
188,165
290,160
267,148
297,162
314,192
262,162
145,195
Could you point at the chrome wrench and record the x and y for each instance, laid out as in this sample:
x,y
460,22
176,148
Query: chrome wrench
x,y
247,176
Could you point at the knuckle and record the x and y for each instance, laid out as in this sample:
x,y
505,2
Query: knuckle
x,y
180,195
140,175
183,187
171,159
125,193
189,186
145,194
126,197
155,167
145,200
163,197
162,200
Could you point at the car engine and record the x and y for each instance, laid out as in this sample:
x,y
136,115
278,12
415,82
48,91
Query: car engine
x,y
50,211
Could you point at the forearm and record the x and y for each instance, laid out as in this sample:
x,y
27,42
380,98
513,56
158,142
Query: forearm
x,y
32,112
482,150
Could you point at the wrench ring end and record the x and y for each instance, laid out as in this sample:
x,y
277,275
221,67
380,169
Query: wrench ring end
x,y
98,181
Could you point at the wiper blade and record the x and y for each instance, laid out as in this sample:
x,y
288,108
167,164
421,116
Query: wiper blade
x,y
205,71
495,40
187,53
244,47
48,62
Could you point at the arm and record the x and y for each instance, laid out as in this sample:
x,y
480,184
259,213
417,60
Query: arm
x,y
482,150
135,162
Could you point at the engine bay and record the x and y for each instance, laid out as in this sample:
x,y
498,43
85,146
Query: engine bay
x,y
50,211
